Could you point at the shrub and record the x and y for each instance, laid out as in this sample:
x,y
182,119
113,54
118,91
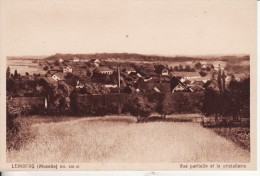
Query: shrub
x,y
180,67
176,68
165,106
193,70
203,73
45,68
187,68
18,130
233,102
114,108
139,106
198,65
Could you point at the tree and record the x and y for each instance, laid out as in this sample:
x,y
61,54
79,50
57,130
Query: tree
x,y
45,68
165,107
176,68
27,74
211,103
193,70
18,131
158,68
15,74
8,72
203,73
57,62
208,68
198,65
180,67
139,106
187,68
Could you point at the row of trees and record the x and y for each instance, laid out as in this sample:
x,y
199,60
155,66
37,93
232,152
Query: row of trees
x,y
188,68
137,104
229,103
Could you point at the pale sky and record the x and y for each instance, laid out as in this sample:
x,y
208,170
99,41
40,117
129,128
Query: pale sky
x,y
173,27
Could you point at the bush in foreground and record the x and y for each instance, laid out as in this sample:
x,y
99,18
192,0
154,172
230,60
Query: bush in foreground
x,y
139,106
18,130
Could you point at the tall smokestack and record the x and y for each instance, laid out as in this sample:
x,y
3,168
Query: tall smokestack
x,y
118,74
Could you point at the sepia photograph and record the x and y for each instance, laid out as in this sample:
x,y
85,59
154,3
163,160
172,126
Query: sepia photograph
x,y
93,85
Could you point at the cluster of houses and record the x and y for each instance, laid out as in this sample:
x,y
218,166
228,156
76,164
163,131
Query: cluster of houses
x,y
129,79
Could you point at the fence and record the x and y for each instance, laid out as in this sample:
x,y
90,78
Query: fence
x,y
115,103
98,104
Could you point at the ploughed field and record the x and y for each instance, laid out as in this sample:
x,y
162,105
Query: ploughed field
x,y
122,139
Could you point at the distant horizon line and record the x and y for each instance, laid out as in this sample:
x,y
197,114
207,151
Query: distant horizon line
x,y
161,55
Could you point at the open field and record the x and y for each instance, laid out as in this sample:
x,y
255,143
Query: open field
x,y
121,139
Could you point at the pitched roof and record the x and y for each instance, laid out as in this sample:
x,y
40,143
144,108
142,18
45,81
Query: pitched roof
x,y
151,86
94,60
49,80
104,69
60,75
177,83
68,67
80,71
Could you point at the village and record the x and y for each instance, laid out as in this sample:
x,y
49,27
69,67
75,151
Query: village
x,y
134,77
111,92
72,83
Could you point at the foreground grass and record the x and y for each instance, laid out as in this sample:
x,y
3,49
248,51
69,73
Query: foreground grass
x,y
238,135
121,139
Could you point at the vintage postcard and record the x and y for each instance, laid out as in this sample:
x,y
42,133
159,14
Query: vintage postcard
x,y
128,85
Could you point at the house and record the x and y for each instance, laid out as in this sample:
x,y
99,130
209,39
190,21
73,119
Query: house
x,y
197,83
139,75
165,72
95,60
212,85
228,78
128,70
58,76
146,70
49,81
75,59
61,60
154,87
79,85
196,88
146,79
80,72
208,66
217,67
104,70
177,85
111,85
67,69
151,86
83,60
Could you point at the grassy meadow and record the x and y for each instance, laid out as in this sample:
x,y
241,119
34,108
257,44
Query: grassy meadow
x,y
122,139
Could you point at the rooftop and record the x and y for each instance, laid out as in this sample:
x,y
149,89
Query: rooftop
x,y
104,69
